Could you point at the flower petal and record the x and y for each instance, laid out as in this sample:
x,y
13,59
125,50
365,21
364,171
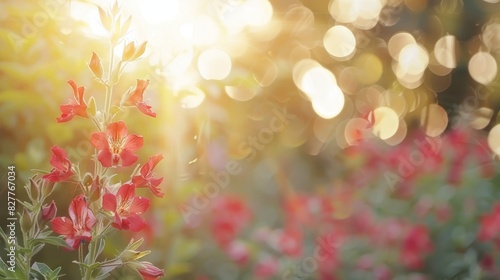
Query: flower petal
x,y
156,191
62,225
128,157
135,223
145,109
75,88
133,142
150,165
99,140
106,158
126,192
117,130
139,205
109,202
59,158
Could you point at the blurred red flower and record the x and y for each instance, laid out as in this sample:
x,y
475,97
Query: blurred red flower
x,y
78,226
146,179
62,166
126,208
238,252
116,144
266,268
416,245
74,107
290,241
489,229
230,216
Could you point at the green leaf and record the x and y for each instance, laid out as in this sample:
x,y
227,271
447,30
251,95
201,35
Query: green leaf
x,y
38,248
57,241
100,246
135,244
41,268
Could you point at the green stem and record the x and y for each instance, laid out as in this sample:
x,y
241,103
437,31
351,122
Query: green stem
x,y
80,258
110,84
88,271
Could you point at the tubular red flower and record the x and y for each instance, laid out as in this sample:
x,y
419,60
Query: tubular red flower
x,y
135,98
78,226
116,145
62,166
74,107
146,179
126,208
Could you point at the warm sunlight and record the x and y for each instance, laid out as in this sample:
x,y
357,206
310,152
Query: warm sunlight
x,y
250,139
159,11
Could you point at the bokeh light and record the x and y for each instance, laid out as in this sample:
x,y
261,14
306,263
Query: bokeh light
x,y
214,64
483,68
339,41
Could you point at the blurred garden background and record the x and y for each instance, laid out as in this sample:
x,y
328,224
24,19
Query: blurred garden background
x,y
342,139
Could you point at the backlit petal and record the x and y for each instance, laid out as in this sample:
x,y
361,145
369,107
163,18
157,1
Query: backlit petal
x,y
99,140
134,142
109,202
139,205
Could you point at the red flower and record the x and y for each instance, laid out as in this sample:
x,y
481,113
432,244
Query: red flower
x,y
62,166
231,215
126,207
416,244
238,252
145,179
290,242
135,98
74,107
116,144
490,225
78,226
150,272
266,268
49,211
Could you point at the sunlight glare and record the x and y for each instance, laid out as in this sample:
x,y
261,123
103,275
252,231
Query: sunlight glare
x,y
159,11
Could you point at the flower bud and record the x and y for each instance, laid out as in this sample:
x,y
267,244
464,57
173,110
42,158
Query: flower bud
x,y
95,65
149,271
26,220
95,189
128,51
49,211
105,18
